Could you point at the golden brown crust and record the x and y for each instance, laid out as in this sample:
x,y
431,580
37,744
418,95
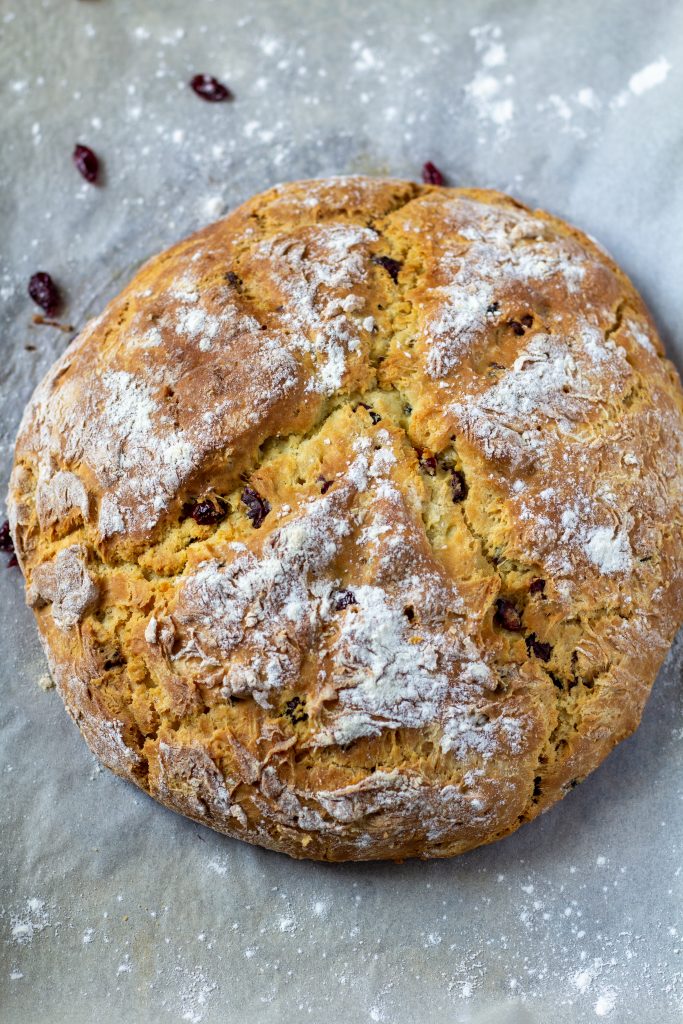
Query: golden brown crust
x,y
441,448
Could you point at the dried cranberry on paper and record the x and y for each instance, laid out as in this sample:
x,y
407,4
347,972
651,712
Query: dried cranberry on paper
x,y
7,544
44,292
210,89
431,175
86,162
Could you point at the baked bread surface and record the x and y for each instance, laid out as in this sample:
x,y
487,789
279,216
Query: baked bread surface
x,y
352,527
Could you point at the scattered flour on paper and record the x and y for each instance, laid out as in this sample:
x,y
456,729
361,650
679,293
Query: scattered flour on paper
x,y
220,867
605,1003
489,89
268,953
26,924
491,93
642,81
583,979
650,76
587,99
194,996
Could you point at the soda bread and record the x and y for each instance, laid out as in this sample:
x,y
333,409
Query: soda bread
x,y
352,527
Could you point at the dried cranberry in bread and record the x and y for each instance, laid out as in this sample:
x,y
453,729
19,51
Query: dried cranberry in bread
x,y
353,525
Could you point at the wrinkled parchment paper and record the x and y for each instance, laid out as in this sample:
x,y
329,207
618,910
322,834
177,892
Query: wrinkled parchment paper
x,y
112,908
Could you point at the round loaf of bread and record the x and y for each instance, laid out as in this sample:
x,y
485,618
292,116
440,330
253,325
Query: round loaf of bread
x,y
353,526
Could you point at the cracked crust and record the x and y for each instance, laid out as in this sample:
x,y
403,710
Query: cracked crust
x,y
437,560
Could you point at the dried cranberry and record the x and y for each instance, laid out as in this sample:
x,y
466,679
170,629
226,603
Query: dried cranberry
x,y
507,616
431,175
6,542
427,460
391,266
537,586
257,507
537,647
458,485
343,598
294,710
232,278
86,162
527,320
374,416
516,327
44,292
209,511
210,89
324,484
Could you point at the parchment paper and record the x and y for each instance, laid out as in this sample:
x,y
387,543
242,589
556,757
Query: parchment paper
x,y
115,909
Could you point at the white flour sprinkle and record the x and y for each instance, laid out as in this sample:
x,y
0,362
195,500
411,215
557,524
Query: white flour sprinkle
x,y
650,76
588,98
219,867
144,456
388,681
639,335
643,81
195,995
610,551
459,323
33,920
312,269
605,1003
506,250
196,324
488,91
560,106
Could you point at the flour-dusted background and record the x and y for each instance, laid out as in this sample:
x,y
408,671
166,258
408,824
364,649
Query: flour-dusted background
x,y
112,908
